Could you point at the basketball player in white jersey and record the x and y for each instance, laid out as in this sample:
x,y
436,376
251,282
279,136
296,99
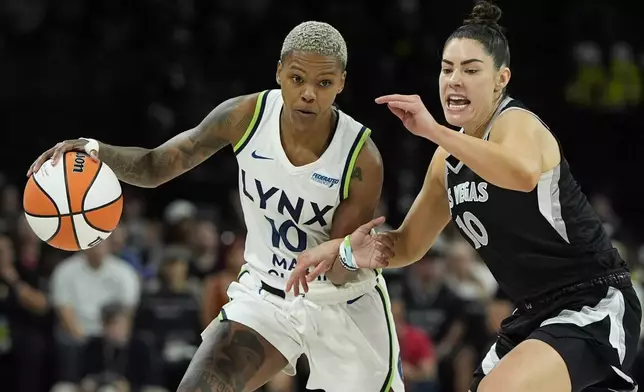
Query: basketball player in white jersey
x,y
308,173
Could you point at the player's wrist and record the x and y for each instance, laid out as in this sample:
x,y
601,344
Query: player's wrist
x,y
345,255
92,145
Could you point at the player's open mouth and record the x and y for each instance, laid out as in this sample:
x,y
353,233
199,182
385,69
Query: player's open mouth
x,y
305,112
457,102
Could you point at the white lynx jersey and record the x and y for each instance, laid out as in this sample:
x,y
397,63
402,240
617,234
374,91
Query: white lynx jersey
x,y
287,208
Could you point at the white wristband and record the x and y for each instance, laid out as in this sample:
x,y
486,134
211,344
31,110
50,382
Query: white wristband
x,y
346,256
92,145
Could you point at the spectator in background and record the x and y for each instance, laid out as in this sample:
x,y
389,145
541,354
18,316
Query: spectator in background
x,y
179,218
205,244
467,276
439,311
117,360
81,286
122,250
169,315
23,318
417,353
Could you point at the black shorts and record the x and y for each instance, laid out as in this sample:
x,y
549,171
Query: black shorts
x,y
594,326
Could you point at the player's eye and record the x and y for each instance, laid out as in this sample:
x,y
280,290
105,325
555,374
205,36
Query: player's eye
x,y
471,71
297,79
446,71
326,83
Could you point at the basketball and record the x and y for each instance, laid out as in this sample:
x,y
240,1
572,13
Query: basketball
x,y
74,205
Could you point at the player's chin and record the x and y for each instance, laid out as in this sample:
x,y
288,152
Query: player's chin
x,y
301,118
456,119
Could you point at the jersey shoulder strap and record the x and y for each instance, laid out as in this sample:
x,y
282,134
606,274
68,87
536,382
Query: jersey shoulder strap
x,y
260,107
359,135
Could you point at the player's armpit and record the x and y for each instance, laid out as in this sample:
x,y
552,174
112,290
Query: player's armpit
x,y
427,217
360,206
226,124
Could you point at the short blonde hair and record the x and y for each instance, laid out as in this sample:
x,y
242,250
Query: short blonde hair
x,y
316,37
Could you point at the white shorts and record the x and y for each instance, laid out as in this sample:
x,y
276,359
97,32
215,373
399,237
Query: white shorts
x,y
350,345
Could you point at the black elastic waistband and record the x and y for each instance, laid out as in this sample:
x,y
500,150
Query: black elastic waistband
x,y
618,280
273,290
282,294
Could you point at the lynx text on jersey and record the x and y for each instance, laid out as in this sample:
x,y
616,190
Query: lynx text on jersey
x,y
288,218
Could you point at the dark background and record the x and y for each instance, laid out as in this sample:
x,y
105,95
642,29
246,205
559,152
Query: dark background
x,y
138,72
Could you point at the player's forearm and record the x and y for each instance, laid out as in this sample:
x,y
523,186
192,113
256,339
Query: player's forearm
x,y
404,254
338,275
133,165
493,162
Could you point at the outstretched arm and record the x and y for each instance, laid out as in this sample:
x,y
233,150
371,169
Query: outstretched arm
x,y
149,168
426,219
152,167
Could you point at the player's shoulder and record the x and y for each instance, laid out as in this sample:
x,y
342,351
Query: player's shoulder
x,y
516,116
362,135
370,154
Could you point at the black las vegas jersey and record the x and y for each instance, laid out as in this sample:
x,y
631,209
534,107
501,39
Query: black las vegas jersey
x,y
532,242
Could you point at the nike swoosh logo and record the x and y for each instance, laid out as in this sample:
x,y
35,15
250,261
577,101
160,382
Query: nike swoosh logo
x,y
254,155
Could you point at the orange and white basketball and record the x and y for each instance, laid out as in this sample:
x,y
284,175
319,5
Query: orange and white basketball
x,y
75,204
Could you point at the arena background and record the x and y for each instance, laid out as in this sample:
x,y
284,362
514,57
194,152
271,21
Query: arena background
x,y
138,72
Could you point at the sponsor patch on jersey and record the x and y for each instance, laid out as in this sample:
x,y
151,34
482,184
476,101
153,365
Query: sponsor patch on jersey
x,y
325,180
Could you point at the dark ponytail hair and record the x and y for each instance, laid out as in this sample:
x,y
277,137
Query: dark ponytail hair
x,y
482,26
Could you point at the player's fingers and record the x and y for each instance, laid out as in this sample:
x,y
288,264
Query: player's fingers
x,y
372,224
317,271
304,282
382,262
409,107
58,152
384,250
395,97
39,162
294,282
289,282
385,240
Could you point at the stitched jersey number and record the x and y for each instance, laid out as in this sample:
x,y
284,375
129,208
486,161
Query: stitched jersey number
x,y
473,229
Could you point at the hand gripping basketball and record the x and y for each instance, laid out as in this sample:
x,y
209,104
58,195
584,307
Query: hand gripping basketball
x,y
75,204
89,146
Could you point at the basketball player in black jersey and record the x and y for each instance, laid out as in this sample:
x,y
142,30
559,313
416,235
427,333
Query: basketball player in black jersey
x,y
505,183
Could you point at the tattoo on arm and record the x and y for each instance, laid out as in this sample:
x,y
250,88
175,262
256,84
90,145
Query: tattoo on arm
x,y
233,360
149,168
356,174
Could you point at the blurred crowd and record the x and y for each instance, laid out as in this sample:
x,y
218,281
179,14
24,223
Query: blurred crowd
x,y
128,313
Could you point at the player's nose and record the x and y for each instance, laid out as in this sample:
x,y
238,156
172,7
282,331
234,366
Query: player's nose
x,y
455,79
308,94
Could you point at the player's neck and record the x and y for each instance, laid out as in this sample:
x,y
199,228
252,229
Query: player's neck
x,y
314,138
478,128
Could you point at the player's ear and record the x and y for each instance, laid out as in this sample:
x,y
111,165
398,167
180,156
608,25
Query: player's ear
x,y
342,79
503,78
277,73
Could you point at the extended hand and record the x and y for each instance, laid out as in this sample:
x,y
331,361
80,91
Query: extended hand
x,y
412,112
367,251
57,151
